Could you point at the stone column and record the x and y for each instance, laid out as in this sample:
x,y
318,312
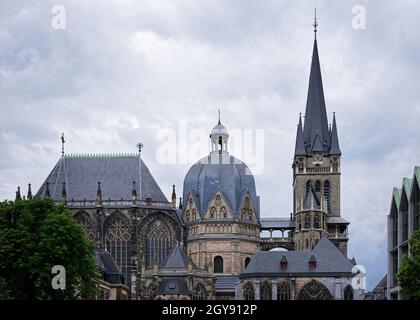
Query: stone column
x,y
273,289
292,288
338,288
257,289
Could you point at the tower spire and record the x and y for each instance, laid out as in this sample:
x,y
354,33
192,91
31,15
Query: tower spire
x,y
335,146
300,144
219,118
316,123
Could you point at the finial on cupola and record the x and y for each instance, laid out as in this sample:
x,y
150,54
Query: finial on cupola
x,y
219,118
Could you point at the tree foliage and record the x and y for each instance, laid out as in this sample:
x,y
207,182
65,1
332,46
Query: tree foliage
x,y
409,271
35,235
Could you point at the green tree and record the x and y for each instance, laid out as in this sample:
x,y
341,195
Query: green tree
x,y
35,235
409,271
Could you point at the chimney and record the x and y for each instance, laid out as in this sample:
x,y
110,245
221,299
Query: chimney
x,y
312,262
134,194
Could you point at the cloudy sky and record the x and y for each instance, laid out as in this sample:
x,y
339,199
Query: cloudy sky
x,y
123,71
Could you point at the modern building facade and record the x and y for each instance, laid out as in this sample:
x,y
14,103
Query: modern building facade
x,y
403,220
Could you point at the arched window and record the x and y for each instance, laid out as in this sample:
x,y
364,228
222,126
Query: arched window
x,y
327,194
348,293
308,186
307,244
212,212
158,243
318,186
187,215
283,291
243,214
218,200
249,292
250,214
88,224
307,221
247,260
218,264
199,292
194,214
314,290
117,237
299,223
317,222
265,291
224,212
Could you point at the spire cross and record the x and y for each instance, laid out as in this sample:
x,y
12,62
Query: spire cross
x,y
315,22
219,117
62,144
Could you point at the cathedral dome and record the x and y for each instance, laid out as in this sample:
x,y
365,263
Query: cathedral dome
x,y
220,172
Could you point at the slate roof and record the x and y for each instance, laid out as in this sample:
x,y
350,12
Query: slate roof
x,y
330,261
277,223
232,179
173,287
311,201
226,283
116,174
336,220
178,259
109,269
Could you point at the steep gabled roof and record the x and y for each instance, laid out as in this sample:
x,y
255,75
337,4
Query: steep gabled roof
x,y
178,259
81,175
330,261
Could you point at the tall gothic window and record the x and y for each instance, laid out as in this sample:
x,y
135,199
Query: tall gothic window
x,y
199,292
249,292
223,212
307,221
265,291
218,264
317,221
394,217
283,291
218,200
158,243
314,290
348,293
88,224
318,186
327,194
308,186
117,237
212,212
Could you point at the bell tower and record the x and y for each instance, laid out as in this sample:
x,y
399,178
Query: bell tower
x,y
316,166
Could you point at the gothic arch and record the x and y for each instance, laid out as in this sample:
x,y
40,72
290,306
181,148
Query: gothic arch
x,y
283,290
88,223
218,264
265,291
249,291
348,293
314,290
117,229
199,292
158,234
327,195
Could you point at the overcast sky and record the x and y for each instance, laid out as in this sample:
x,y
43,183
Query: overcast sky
x,y
123,71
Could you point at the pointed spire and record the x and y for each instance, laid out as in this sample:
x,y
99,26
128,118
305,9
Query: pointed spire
x,y
311,201
317,145
315,113
300,143
180,203
18,195
173,197
315,23
219,123
335,146
29,195
47,191
62,144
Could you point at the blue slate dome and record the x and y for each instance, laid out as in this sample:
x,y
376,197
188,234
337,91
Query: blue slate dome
x,y
222,172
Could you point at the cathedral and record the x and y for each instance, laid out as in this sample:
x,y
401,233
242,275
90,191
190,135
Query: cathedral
x,y
209,243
